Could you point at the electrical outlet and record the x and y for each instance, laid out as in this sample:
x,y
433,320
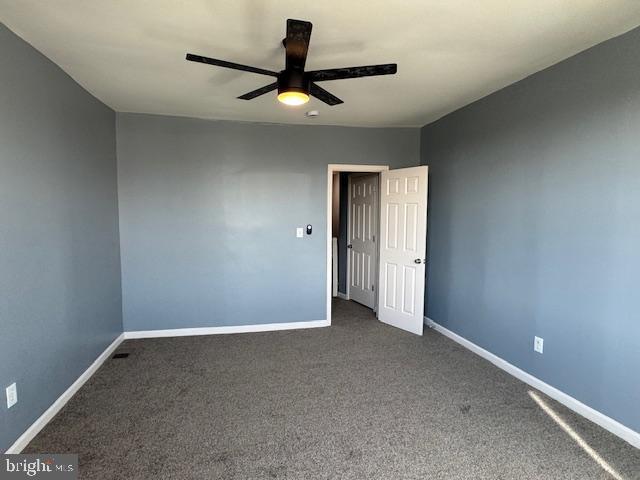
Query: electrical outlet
x,y
538,344
12,395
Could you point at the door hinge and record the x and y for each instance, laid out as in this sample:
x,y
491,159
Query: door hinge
x,y
374,238
373,288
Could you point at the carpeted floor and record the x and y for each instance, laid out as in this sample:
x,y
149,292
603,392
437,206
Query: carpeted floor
x,y
358,400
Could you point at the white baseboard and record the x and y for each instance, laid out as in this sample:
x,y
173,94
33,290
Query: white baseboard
x,y
51,412
266,327
568,401
46,417
343,296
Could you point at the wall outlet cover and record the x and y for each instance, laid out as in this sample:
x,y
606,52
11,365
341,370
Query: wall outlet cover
x,y
12,395
538,344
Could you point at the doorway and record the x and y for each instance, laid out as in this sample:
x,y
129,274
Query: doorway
x,y
387,217
334,173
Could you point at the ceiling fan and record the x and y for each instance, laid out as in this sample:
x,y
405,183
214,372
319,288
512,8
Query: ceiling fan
x,y
294,85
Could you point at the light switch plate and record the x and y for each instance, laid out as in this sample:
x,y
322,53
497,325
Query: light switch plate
x,y
299,232
12,395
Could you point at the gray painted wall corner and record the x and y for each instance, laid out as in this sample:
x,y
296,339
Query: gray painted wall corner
x,y
59,242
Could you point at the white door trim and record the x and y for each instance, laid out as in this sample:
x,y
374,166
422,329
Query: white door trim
x,y
331,169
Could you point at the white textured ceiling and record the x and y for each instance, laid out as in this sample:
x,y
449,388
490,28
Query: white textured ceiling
x,y
130,53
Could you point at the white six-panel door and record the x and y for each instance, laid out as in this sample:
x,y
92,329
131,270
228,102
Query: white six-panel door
x,y
362,251
403,245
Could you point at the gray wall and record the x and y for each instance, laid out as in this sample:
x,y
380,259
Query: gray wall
x,y
208,212
60,301
534,225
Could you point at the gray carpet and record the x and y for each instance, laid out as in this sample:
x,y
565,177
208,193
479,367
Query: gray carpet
x,y
358,400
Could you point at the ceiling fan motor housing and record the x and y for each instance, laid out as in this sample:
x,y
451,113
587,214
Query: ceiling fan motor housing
x,y
293,81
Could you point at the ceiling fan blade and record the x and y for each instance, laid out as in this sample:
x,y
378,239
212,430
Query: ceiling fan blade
x,y
352,72
297,43
235,66
259,91
324,96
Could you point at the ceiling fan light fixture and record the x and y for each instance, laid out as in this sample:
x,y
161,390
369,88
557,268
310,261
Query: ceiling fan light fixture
x,y
294,83
293,98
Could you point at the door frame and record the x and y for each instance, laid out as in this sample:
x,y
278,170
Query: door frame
x,y
331,169
377,235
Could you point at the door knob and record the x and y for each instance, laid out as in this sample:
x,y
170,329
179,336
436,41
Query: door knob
x,y
417,260
349,246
